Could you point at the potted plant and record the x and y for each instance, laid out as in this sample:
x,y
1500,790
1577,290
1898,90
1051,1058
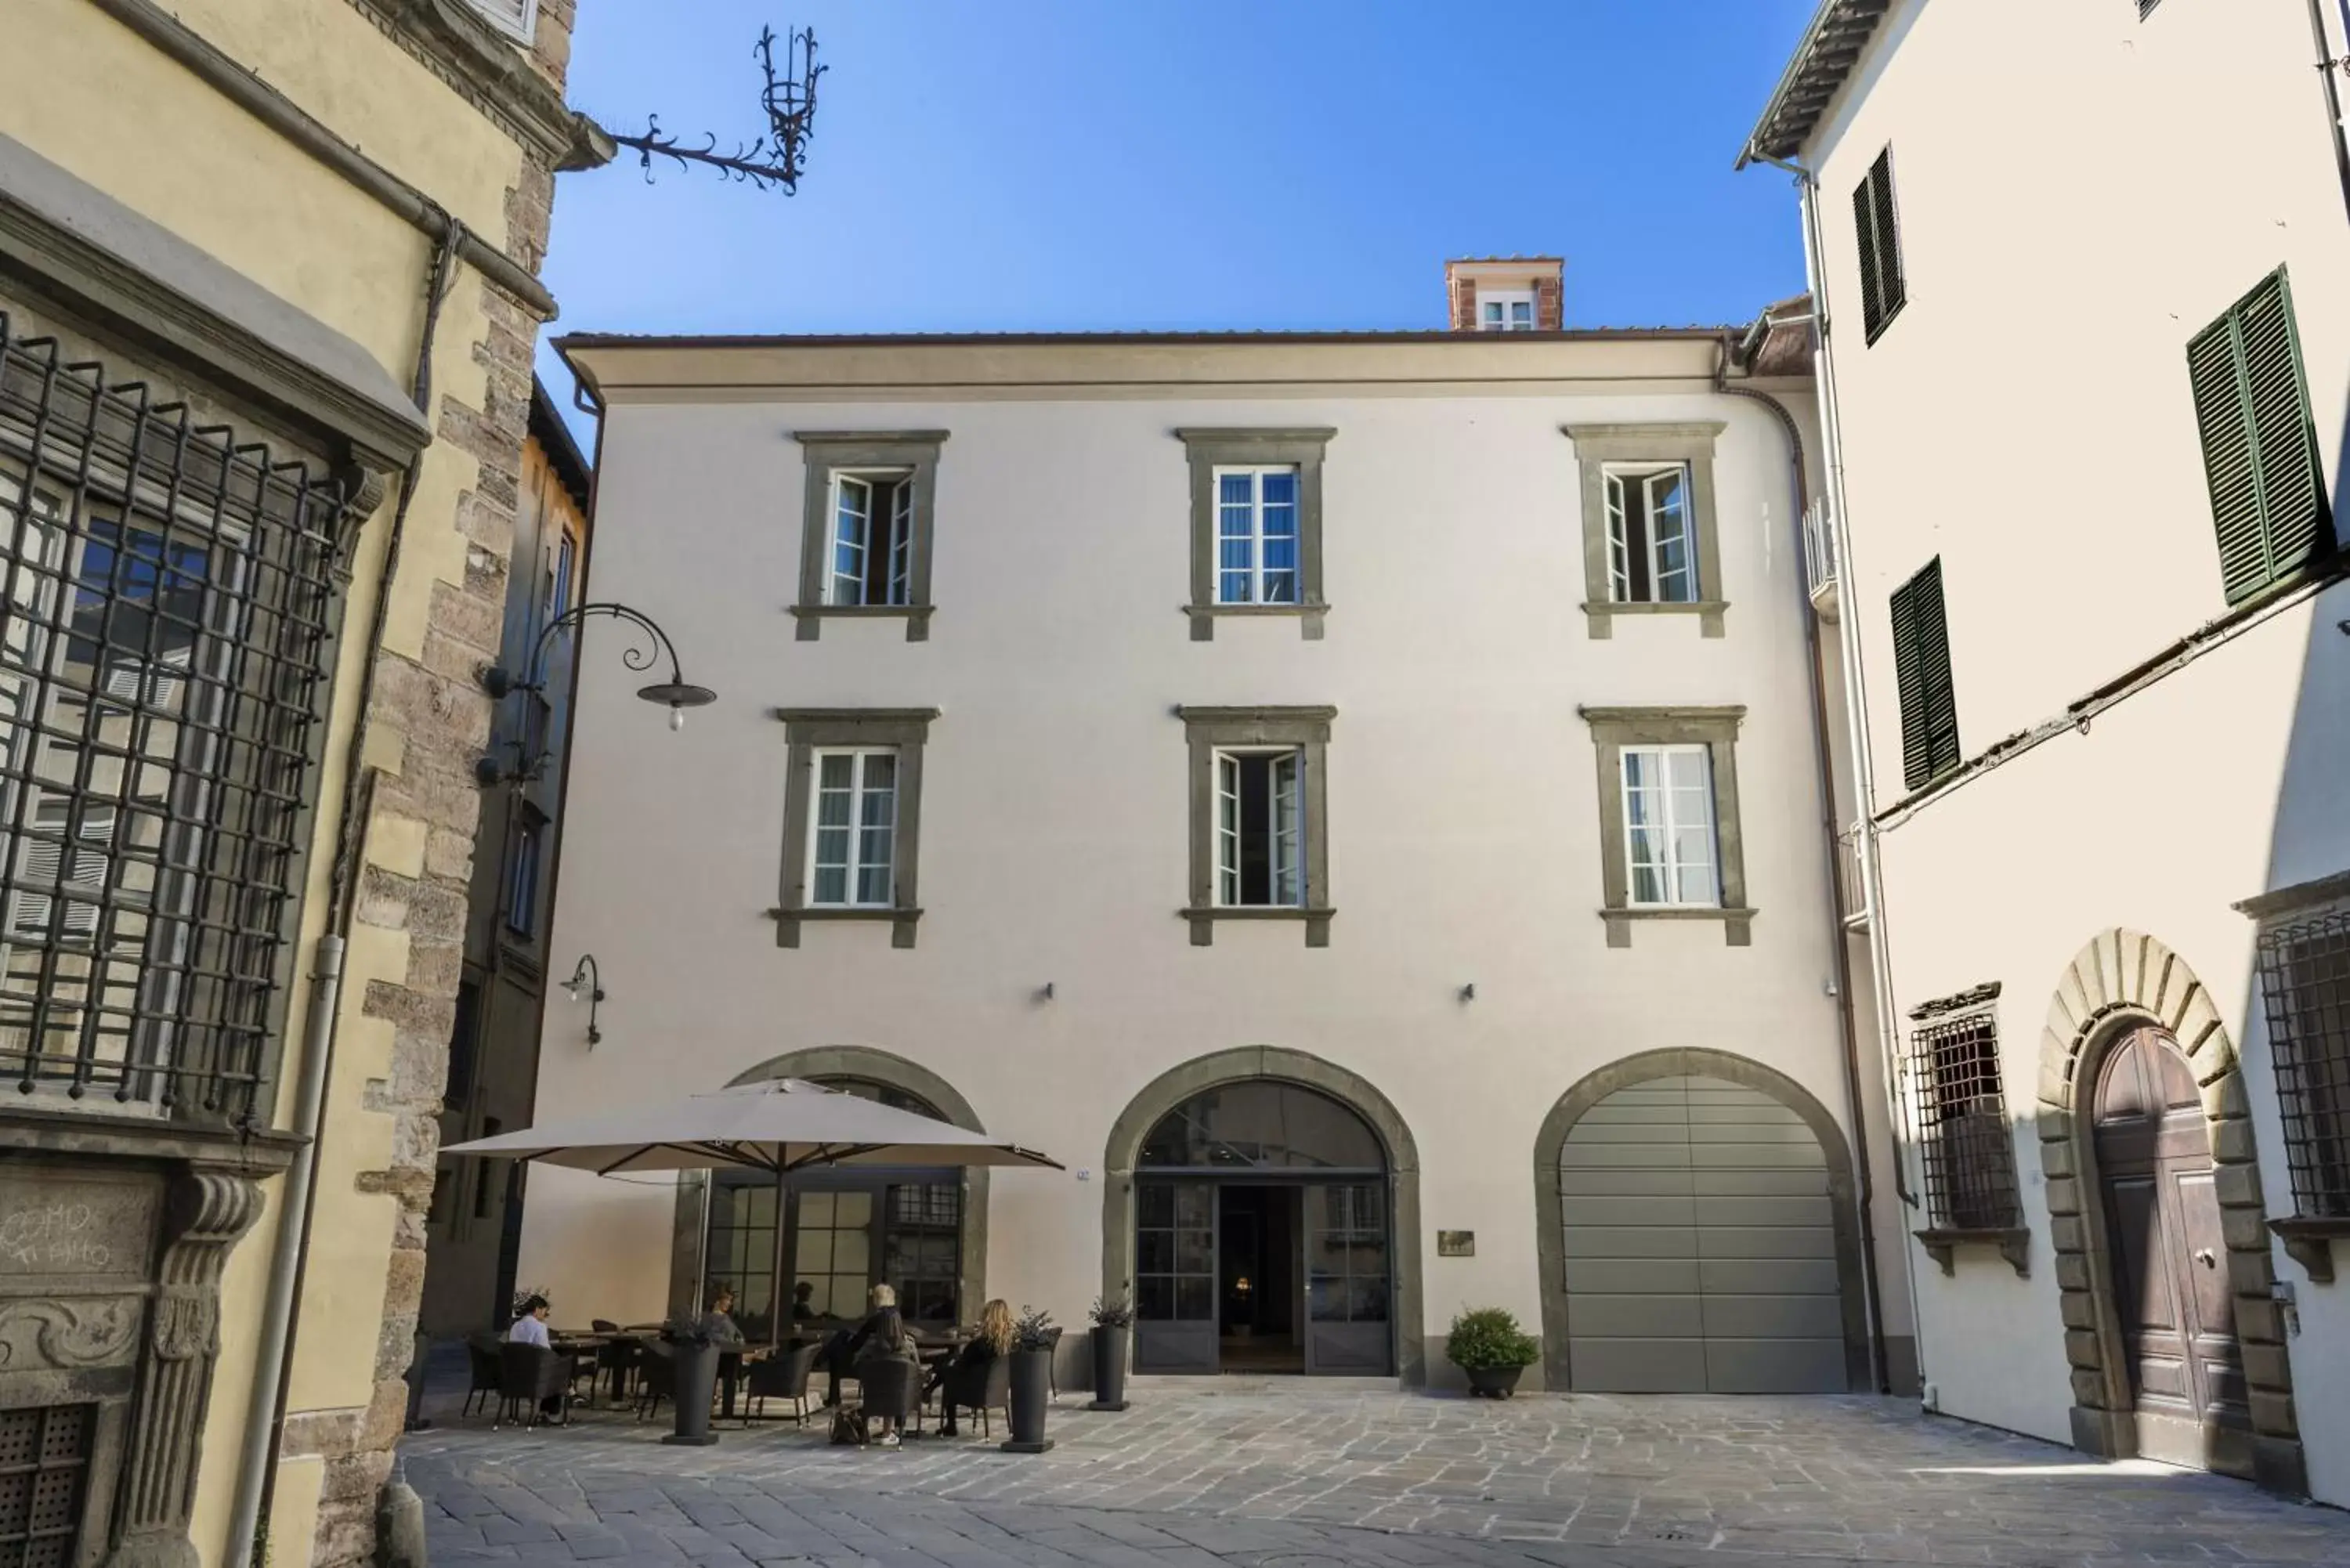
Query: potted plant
x,y
1113,1323
1034,1337
1487,1343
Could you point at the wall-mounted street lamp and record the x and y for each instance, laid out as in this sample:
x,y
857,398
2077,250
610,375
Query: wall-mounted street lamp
x,y
675,691
584,975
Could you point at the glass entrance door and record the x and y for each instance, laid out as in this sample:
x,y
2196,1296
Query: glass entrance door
x,y
1175,1277
1347,1274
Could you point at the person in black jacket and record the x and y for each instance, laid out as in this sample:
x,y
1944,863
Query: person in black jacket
x,y
992,1339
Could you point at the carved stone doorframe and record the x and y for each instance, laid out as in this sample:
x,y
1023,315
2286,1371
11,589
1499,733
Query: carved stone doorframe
x,y
2117,983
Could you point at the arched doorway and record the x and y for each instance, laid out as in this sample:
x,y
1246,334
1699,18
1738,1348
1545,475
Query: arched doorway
x,y
2120,985
1698,1233
1262,1205
802,1254
2173,1310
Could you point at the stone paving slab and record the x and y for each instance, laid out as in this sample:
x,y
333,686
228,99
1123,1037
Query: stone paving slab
x,y
1285,1474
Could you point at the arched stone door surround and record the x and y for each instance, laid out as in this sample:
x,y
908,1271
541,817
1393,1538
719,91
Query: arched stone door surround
x,y
1177,1084
2118,983
1549,1245
876,1067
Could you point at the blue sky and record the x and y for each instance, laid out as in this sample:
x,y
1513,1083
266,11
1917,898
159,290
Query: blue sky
x,y
1180,164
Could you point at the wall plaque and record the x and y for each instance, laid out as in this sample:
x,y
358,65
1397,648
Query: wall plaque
x,y
1456,1243
58,1221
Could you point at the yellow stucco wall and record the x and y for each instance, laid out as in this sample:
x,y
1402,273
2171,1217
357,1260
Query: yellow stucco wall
x,y
91,96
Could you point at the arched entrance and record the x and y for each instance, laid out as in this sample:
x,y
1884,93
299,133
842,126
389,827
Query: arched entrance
x,y
804,1253
2127,994
2173,1310
1698,1233
1261,1205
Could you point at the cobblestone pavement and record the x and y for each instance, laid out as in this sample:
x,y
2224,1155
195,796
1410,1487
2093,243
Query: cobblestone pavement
x,y
1299,1475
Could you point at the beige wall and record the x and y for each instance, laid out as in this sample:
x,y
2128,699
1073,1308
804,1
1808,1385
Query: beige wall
x,y
2080,192
1463,797
92,96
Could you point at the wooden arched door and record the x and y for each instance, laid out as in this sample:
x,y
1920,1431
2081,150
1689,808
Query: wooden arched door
x,y
2169,1258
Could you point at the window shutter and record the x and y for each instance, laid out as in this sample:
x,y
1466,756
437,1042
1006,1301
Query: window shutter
x,y
2260,456
1883,288
1922,668
2284,433
1863,228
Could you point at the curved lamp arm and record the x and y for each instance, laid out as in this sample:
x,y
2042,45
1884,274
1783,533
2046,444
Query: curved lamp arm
x,y
585,973
676,693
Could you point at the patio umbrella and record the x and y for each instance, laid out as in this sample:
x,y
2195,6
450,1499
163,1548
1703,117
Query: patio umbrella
x,y
777,1125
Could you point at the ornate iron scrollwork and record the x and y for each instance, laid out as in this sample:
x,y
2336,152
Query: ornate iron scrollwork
x,y
776,159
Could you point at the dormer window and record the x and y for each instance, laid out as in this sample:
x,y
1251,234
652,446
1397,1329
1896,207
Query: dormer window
x,y
1505,310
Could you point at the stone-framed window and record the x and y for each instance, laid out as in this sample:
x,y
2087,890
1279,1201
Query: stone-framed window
x,y
852,817
1260,817
872,499
1668,782
1273,518
1652,544
2304,974
1966,1146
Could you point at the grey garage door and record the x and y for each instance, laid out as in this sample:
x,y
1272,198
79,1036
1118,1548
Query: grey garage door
x,y
1699,1245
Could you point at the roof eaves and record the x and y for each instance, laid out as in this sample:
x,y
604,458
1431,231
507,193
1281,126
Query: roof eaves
x,y
576,340
1832,46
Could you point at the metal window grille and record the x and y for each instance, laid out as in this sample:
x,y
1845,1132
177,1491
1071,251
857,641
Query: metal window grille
x,y
2305,977
164,601
44,1467
1970,1156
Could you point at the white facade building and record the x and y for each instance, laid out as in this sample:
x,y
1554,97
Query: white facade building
x,y
1354,799
2081,270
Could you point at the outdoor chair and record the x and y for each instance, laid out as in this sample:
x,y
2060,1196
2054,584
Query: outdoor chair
x,y
1053,1364
619,1358
781,1377
978,1387
528,1376
482,1355
887,1385
656,1379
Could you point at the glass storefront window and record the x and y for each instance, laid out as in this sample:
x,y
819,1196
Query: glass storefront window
x,y
1262,1124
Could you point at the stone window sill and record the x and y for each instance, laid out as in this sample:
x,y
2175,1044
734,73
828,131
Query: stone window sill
x,y
812,617
1708,613
901,923
1737,924
2309,1242
2014,1245
1204,618
1203,921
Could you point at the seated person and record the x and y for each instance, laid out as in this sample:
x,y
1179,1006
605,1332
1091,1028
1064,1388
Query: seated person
x,y
529,1328
882,1336
803,1304
992,1340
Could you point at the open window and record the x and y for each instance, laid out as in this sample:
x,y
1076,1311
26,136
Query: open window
x,y
1650,553
872,539
1260,829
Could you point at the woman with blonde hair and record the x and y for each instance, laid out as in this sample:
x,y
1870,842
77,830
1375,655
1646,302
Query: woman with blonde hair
x,y
967,1375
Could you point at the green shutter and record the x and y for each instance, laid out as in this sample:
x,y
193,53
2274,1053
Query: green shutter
x,y
2260,456
1892,289
1863,228
1921,671
1883,290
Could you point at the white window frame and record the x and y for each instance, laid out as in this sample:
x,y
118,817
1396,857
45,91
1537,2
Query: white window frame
x,y
1614,478
1287,829
518,19
895,535
861,796
1668,828
1505,310
1256,571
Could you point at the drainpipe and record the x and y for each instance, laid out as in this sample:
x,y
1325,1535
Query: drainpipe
x,y
2328,65
1839,936
1855,705
264,1427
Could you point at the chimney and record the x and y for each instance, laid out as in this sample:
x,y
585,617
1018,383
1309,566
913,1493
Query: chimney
x,y
1505,294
